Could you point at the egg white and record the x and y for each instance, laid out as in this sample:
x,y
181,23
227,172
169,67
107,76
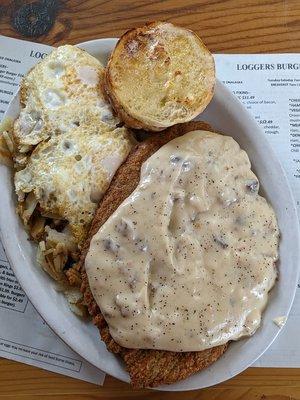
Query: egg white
x,y
62,91
68,174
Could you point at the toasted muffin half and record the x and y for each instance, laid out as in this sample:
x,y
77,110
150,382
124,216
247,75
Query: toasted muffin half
x,y
159,75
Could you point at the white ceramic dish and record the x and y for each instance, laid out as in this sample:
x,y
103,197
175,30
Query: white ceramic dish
x,y
225,114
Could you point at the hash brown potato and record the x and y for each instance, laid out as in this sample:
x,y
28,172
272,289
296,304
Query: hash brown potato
x,y
64,147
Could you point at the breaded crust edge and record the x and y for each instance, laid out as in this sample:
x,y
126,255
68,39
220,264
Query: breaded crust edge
x,y
147,368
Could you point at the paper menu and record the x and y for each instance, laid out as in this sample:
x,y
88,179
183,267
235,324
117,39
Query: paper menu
x,y
268,91
24,335
16,58
269,87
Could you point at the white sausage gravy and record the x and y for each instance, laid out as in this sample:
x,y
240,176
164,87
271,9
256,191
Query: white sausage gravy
x,y
187,260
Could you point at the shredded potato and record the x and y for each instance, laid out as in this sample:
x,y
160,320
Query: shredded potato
x,y
56,205
6,144
5,155
53,253
29,207
75,299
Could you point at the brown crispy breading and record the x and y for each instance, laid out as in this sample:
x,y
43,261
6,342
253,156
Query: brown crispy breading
x,y
147,368
74,276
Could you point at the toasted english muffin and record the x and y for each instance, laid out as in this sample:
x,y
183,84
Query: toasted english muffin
x,y
159,75
147,368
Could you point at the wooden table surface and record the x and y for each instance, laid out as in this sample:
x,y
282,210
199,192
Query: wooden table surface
x,y
226,26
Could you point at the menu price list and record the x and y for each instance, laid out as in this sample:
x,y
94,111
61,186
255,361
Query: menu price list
x,y
11,293
268,86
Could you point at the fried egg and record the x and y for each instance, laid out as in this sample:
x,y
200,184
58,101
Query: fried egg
x,y
69,173
60,93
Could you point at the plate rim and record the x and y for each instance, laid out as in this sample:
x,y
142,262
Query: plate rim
x,y
55,324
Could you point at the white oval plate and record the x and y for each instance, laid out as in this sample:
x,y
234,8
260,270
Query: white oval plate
x,y
227,115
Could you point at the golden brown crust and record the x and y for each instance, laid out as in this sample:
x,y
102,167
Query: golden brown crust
x,y
108,86
139,122
147,368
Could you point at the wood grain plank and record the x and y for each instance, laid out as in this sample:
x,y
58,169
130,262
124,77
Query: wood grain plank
x,y
19,381
225,26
